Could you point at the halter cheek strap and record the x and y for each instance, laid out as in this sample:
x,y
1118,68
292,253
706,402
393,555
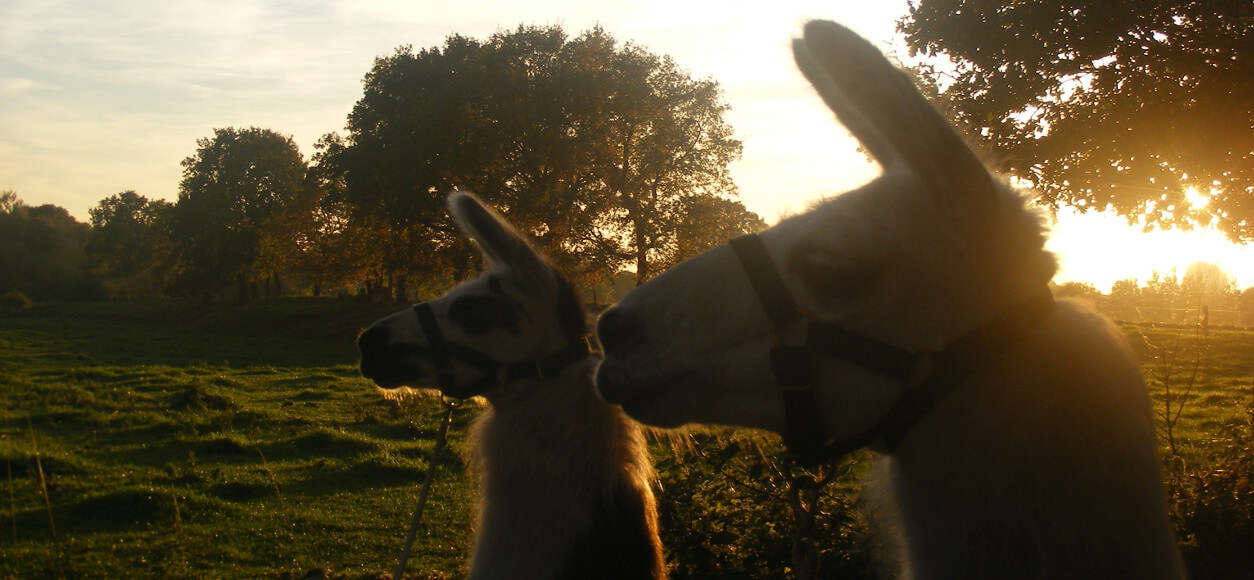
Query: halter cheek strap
x,y
495,373
437,344
806,434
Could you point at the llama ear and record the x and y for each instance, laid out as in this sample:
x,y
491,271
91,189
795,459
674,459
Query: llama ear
x,y
498,240
884,110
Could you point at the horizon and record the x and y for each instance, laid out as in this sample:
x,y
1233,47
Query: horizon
x,y
104,99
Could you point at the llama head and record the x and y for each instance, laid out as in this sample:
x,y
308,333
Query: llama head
x,y
916,258
519,309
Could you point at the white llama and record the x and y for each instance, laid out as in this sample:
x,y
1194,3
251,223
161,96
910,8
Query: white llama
x,y
564,477
912,316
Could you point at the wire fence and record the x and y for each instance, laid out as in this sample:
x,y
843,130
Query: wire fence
x,y
1167,315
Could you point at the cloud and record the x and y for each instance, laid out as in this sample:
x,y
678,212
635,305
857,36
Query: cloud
x,y
11,87
98,95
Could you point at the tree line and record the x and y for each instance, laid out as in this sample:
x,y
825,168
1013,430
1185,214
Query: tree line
x,y
614,158
609,156
1205,293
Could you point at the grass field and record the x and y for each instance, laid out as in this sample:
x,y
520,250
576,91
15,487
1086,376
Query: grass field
x,y
154,439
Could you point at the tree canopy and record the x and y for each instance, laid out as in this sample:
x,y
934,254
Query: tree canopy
x,y
1120,103
241,194
42,251
130,243
590,147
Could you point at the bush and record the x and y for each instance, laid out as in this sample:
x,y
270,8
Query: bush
x,y
14,301
1213,506
724,513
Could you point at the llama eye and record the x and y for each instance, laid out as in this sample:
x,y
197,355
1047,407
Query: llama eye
x,y
832,276
480,314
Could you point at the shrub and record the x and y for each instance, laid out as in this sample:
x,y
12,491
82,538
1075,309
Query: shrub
x,y
14,301
724,513
1213,506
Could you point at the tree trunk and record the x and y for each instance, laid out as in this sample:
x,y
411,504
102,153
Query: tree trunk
x,y
642,253
401,293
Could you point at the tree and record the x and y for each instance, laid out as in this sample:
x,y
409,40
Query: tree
x,y
242,198
588,147
1125,300
9,202
1245,307
337,250
130,244
704,222
1161,298
668,144
1123,103
41,252
1082,290
1208,285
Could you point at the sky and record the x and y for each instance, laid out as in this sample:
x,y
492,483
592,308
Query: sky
x,y
106,96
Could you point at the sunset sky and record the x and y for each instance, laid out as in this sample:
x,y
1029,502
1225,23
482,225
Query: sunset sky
x,y
101,97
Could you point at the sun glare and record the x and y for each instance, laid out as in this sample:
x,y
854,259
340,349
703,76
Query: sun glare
x,y
1197,199
1103,248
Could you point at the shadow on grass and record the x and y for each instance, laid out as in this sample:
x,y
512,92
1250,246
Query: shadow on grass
x,y
371,473
116,511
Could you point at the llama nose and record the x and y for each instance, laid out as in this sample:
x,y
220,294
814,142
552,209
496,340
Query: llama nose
x,y
618,330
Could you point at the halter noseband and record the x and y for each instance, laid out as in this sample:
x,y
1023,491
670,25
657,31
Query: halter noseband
x,y
495,373
806,435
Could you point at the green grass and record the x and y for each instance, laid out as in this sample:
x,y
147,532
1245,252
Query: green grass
x,y
1210,375
240,442
234,443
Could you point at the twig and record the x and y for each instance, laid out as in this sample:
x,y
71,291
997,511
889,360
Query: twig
x,y
273,480
43,488
8,468
804,492
178,518
440,438
1164,370
43,484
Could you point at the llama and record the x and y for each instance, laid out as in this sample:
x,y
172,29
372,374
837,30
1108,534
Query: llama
x,y
912,316
563,476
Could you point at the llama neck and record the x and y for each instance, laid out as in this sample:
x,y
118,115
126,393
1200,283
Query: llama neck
x,y
563,476
1042,464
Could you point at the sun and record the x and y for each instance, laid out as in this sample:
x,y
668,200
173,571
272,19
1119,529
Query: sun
x,y
1103,247
1197,200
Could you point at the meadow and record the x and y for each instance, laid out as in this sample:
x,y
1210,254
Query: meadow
x,y
160,439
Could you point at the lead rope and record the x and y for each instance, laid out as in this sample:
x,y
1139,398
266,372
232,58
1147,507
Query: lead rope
x,y
441,438
804,491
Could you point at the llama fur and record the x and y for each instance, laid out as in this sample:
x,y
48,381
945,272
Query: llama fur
x,y
560,467
1044,461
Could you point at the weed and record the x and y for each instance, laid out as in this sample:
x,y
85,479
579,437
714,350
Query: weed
x,y
43,488
1175,365
1213,506
8,470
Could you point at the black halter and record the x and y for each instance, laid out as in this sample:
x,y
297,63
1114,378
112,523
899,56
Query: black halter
x,y
806,436
495,373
